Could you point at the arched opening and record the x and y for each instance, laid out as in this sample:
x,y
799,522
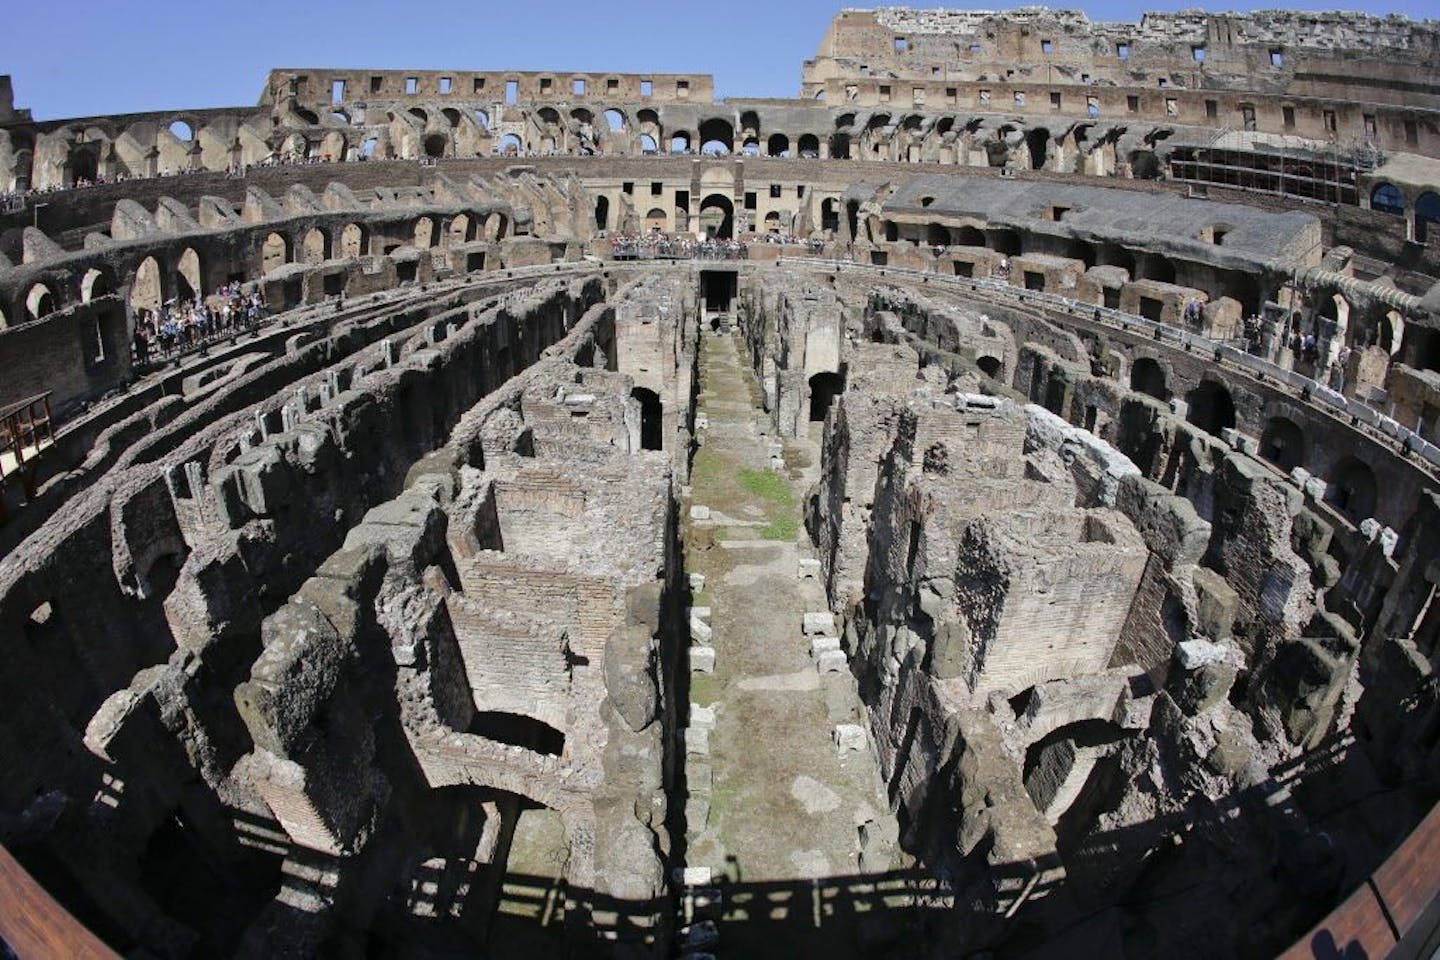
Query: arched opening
x,y
518,731
937,235
1282,443
655,220
1039,141
1427,216
84,166
424,234
464,228
1073,774
420,115
509,146
648,146
354,241
839,146
778,145
1144,165
1352,489
435,145
990,366
680,142
182,131
274,252
40,301
602,213
1387,198
824,388
95,283
615,119
1158,268
716,136
367,146
830,215
717,217
314,246
969,237
772,222
147,290
1211,408
482,120
651,418
188,276
751,147
1148,377
1005,241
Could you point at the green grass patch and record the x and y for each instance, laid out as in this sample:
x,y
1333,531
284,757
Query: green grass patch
x,y
781,528
705,688
767,485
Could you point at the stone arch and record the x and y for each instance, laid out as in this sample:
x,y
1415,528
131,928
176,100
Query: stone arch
x,y
275,252
648,145
937,235
436,145
96,283
354,240
602,213
751,147
656,220
1148,377
772,222
839,145
1144,165
518,730
615,120
84,165
1352,488
968,236
680,142
424,235
40,301
992,367
463,228
778,145
1387,198
1427,216
808,145
509,146
1038,140
717,216
716,136
147,286
1211,407
1283,443
189,275
314,246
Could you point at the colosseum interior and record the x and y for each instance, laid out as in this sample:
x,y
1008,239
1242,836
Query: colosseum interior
x,y
981,506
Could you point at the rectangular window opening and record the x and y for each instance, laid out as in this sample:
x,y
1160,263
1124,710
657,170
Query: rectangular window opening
x,y
1122,50
1047,46
902,45
577,87
1287,116
1132,103
337,91
479,84
1054,99
412,85
512,91
1277,57
656,188
1198,52
1212,109
445,85
646,88
376,84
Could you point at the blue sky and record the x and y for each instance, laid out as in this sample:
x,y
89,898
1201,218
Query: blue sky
x,y
103,56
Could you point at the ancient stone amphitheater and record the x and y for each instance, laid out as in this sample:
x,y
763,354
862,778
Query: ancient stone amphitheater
x,y
986,505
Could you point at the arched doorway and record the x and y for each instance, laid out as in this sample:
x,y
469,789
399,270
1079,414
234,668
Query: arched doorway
x,y
147,290
990,366
651,418
1387,198
1427,216
435,145
778,145
824,388
189,284
1147,377
1211,408
1038,140
717,217
353,241
1352,489
602,213
274,252
1282,443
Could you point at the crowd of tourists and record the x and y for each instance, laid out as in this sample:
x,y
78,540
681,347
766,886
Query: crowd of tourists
x,y
179,326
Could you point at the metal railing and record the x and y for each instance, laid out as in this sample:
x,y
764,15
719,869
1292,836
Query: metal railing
x,y
1360,413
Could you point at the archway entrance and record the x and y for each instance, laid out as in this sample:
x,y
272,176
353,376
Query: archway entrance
x,y
717,217
1211,408
824,388
1147,377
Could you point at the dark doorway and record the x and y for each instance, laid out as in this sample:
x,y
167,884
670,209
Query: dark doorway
x,y
602,213
1211,408
1147,377
1282,443
990,366
717,217
718,288
824,388
1352,489
651,419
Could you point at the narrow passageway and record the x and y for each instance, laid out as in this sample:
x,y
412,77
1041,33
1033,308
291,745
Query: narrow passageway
x,y
776,808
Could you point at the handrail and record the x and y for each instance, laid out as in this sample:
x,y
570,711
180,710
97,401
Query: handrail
x,y
34,924
1360,412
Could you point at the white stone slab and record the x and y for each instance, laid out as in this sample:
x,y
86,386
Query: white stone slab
x,y
818,623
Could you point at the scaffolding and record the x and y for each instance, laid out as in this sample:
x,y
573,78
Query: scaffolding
x,y
1279,165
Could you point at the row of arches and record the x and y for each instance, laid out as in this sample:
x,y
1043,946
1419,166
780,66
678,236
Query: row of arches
x,y
1352,487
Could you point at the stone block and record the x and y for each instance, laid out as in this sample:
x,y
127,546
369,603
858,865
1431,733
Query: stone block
x,y
818,623
702,659
700,613
697,741
832,661
808,569
702,421
819,646
848,737
1299,476
697,582
702,716
700,632
699,512
1315,489
691,876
